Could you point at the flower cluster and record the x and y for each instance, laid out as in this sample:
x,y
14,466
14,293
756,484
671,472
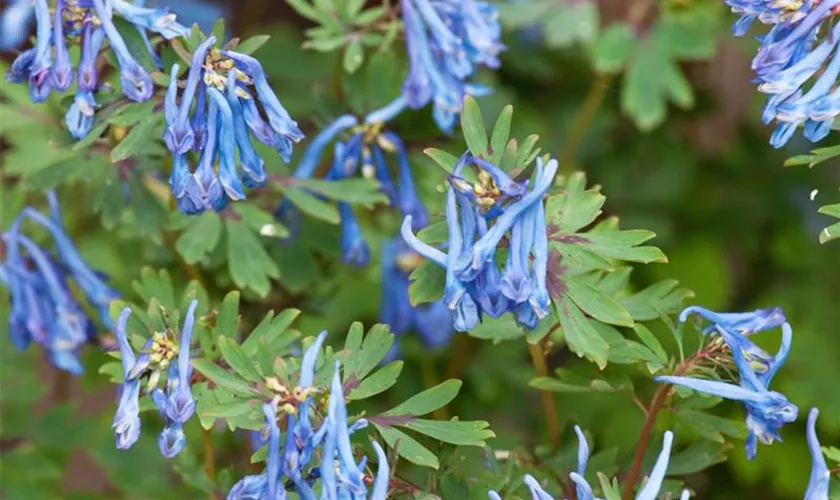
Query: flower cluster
x,y
340,475
583,490
446,41
226,99
478,216
364,150
87,23
767,411
43,308
175,403
432,322
801,46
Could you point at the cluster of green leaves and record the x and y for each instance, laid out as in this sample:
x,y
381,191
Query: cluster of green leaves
x,y
560,24
347,25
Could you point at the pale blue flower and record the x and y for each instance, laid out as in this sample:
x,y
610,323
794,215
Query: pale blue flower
x,y
820,475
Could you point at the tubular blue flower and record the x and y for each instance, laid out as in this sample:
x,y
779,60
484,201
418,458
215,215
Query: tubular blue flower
x,y
172,440
582,488
767,411
15,21
820,475
35,64
309,161
354,249
136,83
79,116
179,135
179,404
127,418
62,73
539,299
88,75
251,163
156,20
744,323
200,190
516,283
279,119
228,175
344,479
465,312
654,483
386,185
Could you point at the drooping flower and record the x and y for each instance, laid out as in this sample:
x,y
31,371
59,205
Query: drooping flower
x,y
583,490
15,20
446,41
478,218
47,66
767,411
175,403
214,119
801,46
43,307
820,475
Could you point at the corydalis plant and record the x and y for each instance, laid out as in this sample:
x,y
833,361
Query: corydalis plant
x,y
226,99
176,403
43,307
47,65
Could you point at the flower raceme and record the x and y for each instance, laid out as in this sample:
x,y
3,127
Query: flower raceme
x,y
47,65
478,217
800,47
226,99
446,41
583,490
175,402
288,464
43,307
767,411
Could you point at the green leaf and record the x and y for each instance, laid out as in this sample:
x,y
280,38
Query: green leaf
x,y
443,159
236,358
354,56
273,330
652,79
306,10
377,383
357,191
501,134
376,345
231,409
428,400
472,125
138,138
227,321
651,341
252,44
201,237
156,285
815,157
311,205
223,378
474,433
570,22
582,338
610,490
408,447
596,303
262,222
250,265
427,283
699,456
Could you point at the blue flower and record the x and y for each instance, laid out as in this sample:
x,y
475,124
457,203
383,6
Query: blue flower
x,y
820,475
744,323
445,42
214,119
127,418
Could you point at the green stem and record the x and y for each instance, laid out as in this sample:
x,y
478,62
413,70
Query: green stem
x,y
549,408
209,455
